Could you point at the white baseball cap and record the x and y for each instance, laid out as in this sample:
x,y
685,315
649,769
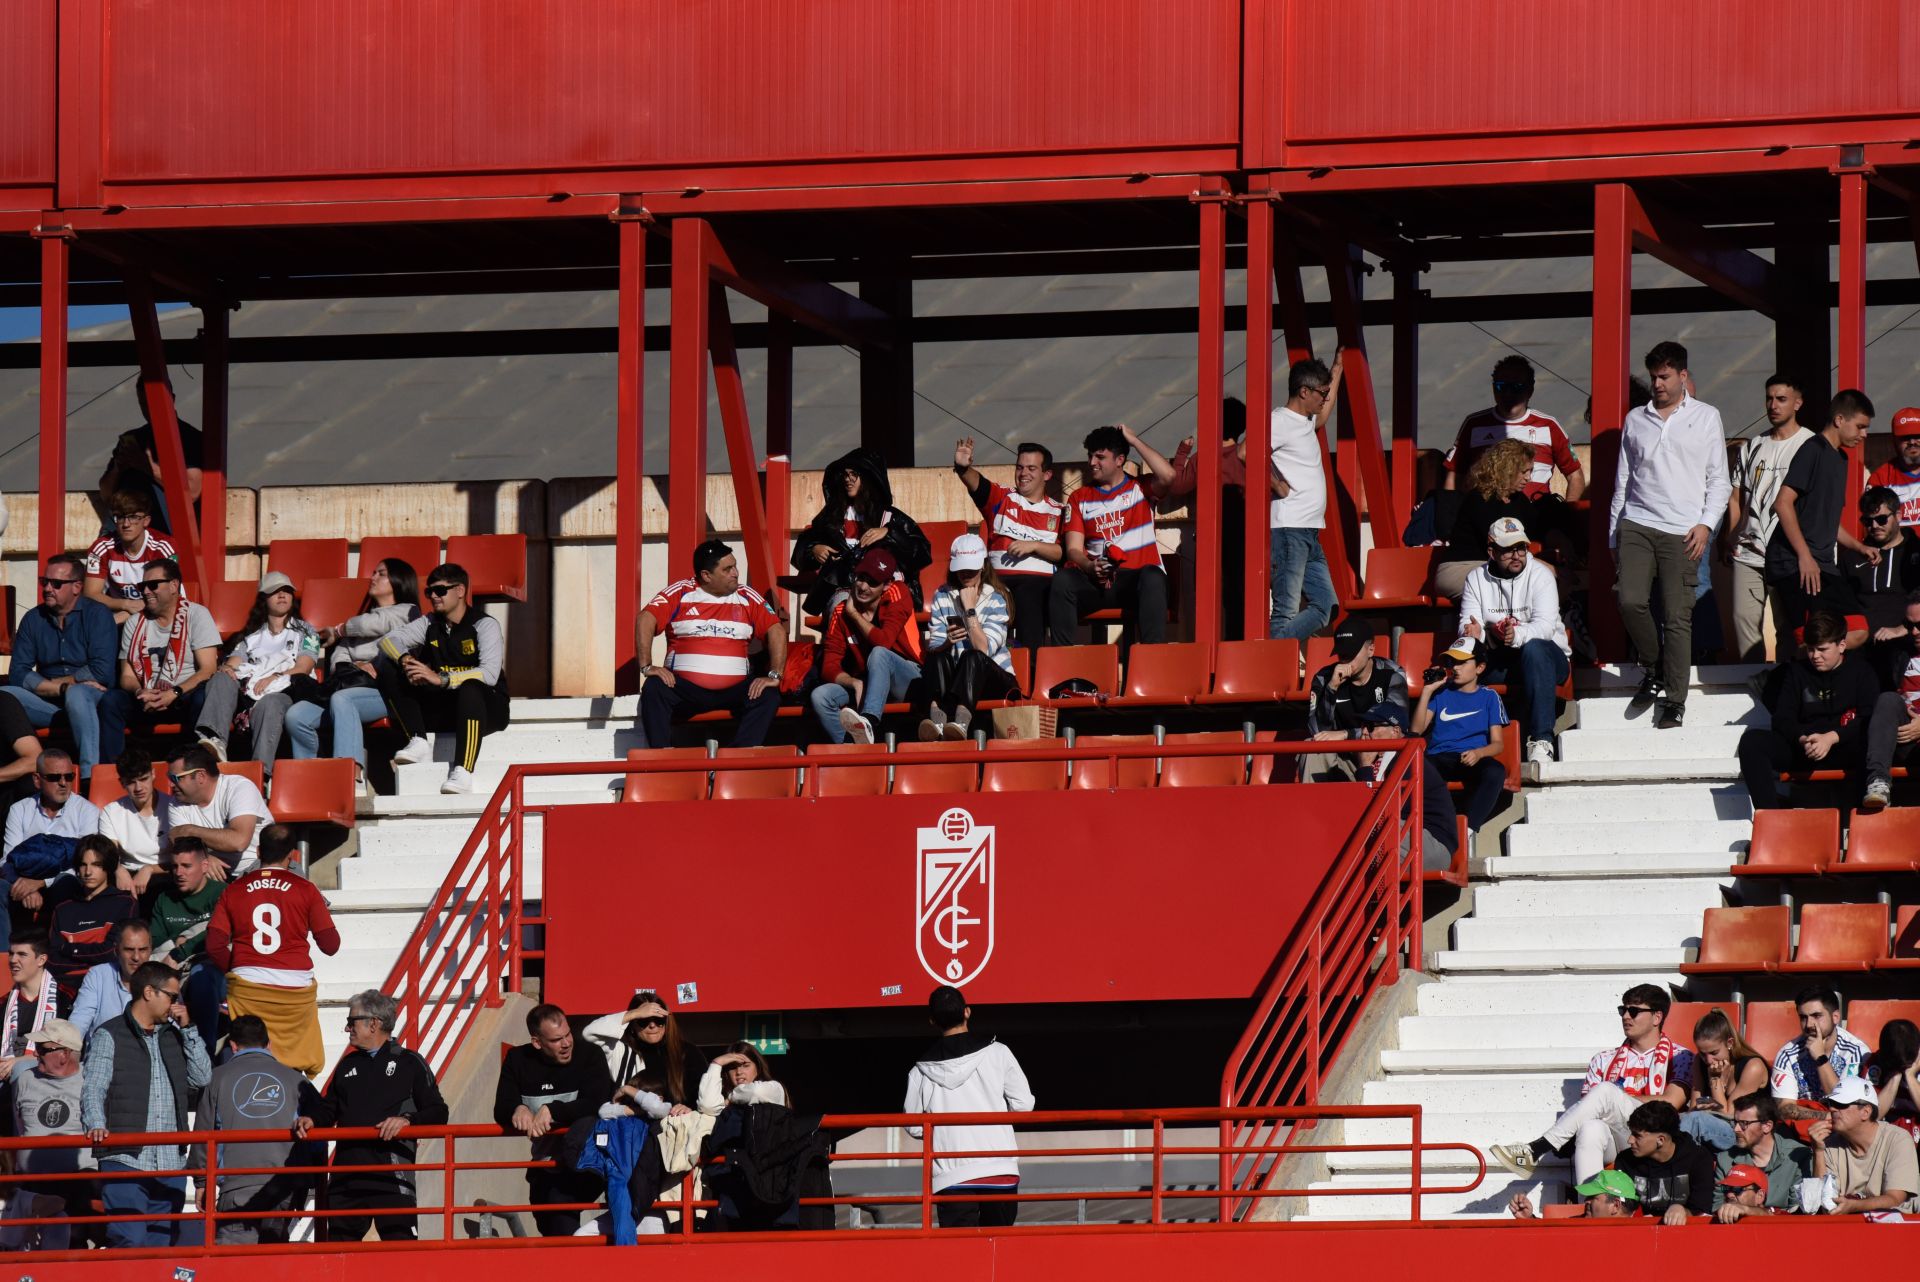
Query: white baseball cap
x,y
969,552
1851,1090
1506,532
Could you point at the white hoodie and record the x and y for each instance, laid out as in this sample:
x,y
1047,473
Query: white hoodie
x,y
968,1073
1531,598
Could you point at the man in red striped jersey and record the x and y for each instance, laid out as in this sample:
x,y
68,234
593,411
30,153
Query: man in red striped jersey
x,y
711,620
1023,532
1512,417
1112,556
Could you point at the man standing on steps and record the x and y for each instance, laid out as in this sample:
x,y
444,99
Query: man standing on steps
x,y
1671,488
1646,1066
1803,567
1811,1066
1750,518
444,671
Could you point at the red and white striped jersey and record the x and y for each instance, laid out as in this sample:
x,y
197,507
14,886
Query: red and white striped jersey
x,y
1905,484
1482,431
1119,519
123,571
1012,519
260,926
707,635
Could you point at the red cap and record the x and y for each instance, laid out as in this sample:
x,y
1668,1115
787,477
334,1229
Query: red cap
x,y
1907,422
878,564
1744,1176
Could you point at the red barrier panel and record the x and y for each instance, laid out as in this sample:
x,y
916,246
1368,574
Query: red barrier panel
x,y
27,67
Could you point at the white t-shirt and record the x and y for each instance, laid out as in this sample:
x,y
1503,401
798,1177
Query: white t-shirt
x,y
138,836
1763,469
264,651
1296,453
233,795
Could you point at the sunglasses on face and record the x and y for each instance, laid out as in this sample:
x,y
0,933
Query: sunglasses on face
x,y
131,518
60,776
184,774
650,1021
154,585
870,582
1501,386
1317,391
55,583
1634,1011
440,589
1883,519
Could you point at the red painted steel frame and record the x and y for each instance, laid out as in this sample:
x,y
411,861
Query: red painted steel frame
x,y
1258,441
1612,321
54,261
687,393
1211,377
184,524
763,551
630,454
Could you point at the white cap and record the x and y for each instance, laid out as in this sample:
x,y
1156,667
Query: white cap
x,y
969,552
1506,532
1852,1090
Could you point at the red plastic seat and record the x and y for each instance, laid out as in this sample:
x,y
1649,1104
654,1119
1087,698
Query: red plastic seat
x,y
1905,954
249,769
955,767
1563,1210
1840,937
496,564
1791,843
328,603
1883,843
1767,1026
1456,872
732,785
320,790
1684,1015
1254,672
1865,1019
1023,776
940,537
670,785
1099,664
1092,774
1172,674
305,559
847,781
1397,579
1416,656
103,785
421,551
229,602
1202,772
1740,940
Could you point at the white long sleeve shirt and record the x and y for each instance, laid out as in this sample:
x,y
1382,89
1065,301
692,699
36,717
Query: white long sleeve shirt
x,y
1673,471
1530,598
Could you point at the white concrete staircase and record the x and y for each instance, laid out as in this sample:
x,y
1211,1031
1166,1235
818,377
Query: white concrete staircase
x,y
1625,842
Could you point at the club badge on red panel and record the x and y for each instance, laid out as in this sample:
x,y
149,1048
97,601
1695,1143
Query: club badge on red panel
x,y
954,876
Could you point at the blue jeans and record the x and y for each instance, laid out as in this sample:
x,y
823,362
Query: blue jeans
x,y
350,710
888,676
81,703
1541,669
126,1200
1711,1129
204,991
1299,566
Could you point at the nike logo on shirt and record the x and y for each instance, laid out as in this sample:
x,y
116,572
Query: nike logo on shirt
x,y
1445,716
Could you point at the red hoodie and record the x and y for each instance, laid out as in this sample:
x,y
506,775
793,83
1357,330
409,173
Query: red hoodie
x,y
894,628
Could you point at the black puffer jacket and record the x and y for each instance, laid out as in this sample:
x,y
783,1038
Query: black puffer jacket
x,y
903,538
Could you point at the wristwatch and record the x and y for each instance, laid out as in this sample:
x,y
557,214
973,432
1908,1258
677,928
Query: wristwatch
x,y
1821,1060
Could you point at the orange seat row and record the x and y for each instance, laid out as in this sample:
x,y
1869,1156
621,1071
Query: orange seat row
x,y
318,790
495,563
1806,843
1767,1026
1833,937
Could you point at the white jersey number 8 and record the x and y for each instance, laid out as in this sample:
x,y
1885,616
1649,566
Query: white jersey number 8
x,y
266,928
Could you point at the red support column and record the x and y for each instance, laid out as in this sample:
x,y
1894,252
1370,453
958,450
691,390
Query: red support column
x,y
54,256
1359,407
779,447
1259,438
687,418
214,413
630,453
761,557
1612,328
184,531
1212,374
1407,297
1853,316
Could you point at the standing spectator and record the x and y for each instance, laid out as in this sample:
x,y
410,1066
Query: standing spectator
x,y
647,1038
712,621
545,1087
1646,1066
1496,491
134,464
739,1075
353,697
1879,580
1297,512
1813,1065
85,911
274,650
139,822
43,831
253,1090
259,936
116,563
1673,1172
1759,1145
1513,418
1341,702
1870,1163
223,811
1233,507
142,1068
1901,473
64,657
1893,1070
1803,565
47,1094
1511,603
107,988
968,1072
1112,556
1724,1069
168,653
1465,728
377,1083
871,653
856,515
1751,521
1671,488
1821,711
33,1002
180,919
1023,531
443,672
966,659
1894,725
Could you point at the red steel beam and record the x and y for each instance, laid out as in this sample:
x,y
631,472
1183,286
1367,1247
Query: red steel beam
x,y
1612,328
214,413
1419,172
1853,315
762,556
687,393
183,525
765,279
629,454
1407,298
1259,393
1740,274
55,258
779,447
1358,404
1211,378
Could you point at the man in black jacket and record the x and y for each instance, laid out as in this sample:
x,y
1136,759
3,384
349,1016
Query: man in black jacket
x,y
1820,714
1674,1173
380,1084
1340,703
545,1088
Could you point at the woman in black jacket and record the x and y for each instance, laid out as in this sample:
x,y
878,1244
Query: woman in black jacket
x,y
856,512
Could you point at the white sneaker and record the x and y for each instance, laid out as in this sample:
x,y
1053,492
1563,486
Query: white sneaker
x,y
858,728
214,744
1540,752
416,750
362,786
960,725
458,780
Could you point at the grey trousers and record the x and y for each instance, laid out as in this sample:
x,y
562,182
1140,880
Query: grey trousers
x,y
223,704
1646,556
1883,747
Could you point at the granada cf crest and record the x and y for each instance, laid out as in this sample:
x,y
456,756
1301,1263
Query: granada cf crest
x,y
954,873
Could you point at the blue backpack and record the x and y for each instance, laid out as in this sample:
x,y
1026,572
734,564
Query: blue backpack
x,y
43,856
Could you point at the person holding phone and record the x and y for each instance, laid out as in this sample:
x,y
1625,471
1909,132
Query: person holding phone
x,y
1465,727
966,658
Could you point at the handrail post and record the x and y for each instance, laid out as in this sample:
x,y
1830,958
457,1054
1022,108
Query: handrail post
x,y
1415,1165
1416,781
686,1203
926,1175
1159,1163
1316,1009
516,871
446,1191
1226,1171
210,1191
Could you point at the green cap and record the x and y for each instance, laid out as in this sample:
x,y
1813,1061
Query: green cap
x,y
1617,1183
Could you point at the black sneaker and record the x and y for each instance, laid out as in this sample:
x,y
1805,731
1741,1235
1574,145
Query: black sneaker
x,y
1650,689
1667,715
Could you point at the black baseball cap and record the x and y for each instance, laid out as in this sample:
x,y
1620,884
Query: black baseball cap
x,y
1348,640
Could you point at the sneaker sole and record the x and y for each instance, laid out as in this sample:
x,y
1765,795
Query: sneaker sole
x,y
1871,805
856,726
1511,1167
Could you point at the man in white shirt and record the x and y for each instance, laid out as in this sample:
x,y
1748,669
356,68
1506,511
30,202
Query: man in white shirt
x,y
1671,488
1750,516
226,811
1512,604
1298,510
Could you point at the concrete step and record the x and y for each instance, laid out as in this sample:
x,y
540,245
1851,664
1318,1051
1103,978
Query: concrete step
x,y
1653,747
389,838
424,778
387,872
576,790
1624,678
1494,999
1542,961
1710,707
1549,1092
1542,1059
586,708
1489,1201
1577,934
1570,898
1631,770
1643,803
1477,1129
357,966
1590,1026
378,930
1697,836
1611,865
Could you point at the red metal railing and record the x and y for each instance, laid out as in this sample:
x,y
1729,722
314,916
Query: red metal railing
x,y
469,948
1162,1196
1361,928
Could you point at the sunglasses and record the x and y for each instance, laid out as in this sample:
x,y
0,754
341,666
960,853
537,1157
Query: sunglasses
x,y
651,1021
45,582
1635,1011
1317,391
132,518
440,589
154,585
1885,519
1503,386
66,776
185,774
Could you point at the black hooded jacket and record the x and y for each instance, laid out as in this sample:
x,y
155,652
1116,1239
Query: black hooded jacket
x,y
903,538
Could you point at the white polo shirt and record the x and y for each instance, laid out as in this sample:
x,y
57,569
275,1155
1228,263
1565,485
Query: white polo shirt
x,y
1673,471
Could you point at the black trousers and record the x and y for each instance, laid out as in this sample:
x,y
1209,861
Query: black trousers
x,y
962,680
661,704
1139,595
1028,593
548,1186
473,709
381,1197
995,1211
1765,752
1794,603
1485,780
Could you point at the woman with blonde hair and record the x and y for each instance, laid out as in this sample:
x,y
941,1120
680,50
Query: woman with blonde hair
x,y
1724,1069
1496,487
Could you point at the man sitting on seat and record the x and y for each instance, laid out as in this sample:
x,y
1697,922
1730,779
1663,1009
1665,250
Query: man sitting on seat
x,y
1609,1195
1758,1146
1112,554
871,653
1465,726
222,810
64,657
1674,1172
444,671
1881,584
1821,709
1646,1066
169,651
1894,726
711,621
1812,1065
1512,605
1871,1163
1023,532
1341,699
55,810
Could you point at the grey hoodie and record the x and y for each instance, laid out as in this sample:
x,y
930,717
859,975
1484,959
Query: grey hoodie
x,y
968,1073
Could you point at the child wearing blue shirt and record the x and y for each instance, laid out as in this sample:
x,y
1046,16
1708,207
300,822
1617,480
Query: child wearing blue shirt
x,y
1464,725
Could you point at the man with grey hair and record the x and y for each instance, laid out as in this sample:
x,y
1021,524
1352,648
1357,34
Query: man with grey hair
x,y
378,1084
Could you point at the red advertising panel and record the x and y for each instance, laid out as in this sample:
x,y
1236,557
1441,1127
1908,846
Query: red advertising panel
x,y
27,69
1138,895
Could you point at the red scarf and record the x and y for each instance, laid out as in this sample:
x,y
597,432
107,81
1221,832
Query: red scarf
x,y
1663,1053
44,1010
148,673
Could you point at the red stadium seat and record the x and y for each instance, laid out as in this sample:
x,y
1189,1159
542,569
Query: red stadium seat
x,y
421,551
320,790
1023,776
1457,872
1253,672
1202,772
229,603
496,564
1791,843
940,537
1170,674
1769,1026
1092,774
847,781
732,785
305,559
250,769
1416,656
955,767
1099,664
1684,1015
672,785
103,785
1906,940
1865,1019
1740,940
1840,937
328,603
1563,1210
1397,578
1883,843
